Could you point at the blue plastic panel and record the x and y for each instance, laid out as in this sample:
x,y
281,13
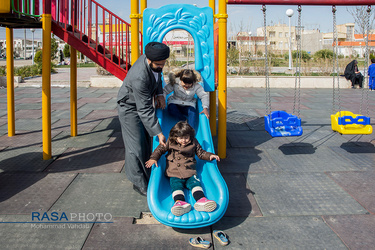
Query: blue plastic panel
x,y
197,21
344,120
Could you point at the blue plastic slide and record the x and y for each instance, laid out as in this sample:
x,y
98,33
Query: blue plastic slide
x,y
159,195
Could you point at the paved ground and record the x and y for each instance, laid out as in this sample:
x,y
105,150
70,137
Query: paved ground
x,y
314,191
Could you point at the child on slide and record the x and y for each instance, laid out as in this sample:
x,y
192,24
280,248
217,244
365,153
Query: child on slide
x,y
182,102
182,146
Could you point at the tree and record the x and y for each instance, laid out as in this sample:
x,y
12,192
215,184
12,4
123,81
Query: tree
x,y
324,54
232,56
358,14
305,56
66,50
38,57
54,47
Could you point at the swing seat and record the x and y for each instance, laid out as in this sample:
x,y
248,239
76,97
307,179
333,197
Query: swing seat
x,y
282,124
345,122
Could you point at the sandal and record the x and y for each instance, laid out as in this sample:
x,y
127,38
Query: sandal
x,y
221,237
199,242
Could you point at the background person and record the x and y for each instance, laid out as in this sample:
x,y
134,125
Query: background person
x,y
371,74
352,73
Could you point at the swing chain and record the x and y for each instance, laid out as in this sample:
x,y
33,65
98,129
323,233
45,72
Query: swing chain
x,y
335,65
365,74
298,66
268,92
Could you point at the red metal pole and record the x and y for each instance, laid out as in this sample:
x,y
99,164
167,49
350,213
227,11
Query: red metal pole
x,y
36,7
46,7
96,28
89,16
303,2
110,36
53,10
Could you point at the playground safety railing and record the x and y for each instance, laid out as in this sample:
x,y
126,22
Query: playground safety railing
x,y
26,7
92,23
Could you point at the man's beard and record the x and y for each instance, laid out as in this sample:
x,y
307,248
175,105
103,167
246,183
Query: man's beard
x,y
157,70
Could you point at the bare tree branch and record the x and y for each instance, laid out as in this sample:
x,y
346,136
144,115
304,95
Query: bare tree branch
x,y
359,13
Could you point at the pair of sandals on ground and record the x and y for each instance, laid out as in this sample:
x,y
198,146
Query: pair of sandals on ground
x,y
218,234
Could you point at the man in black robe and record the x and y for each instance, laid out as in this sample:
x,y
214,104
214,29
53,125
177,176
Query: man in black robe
x,y
137,113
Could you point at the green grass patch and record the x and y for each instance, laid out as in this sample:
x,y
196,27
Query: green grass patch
x,y
79,65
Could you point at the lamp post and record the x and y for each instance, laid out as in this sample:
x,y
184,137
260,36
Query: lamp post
x,y
289,13
32,44
24,51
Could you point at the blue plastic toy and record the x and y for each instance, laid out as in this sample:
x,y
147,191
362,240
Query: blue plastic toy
x,y
199,23
280,123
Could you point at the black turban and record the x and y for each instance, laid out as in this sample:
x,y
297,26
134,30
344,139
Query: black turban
x,y
156,51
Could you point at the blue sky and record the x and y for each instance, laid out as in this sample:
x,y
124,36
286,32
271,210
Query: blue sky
x,y
249,17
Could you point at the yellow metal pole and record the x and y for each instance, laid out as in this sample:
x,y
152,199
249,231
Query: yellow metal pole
x,y
10,82
143,7
73,91
134,16
213,93
222,75
46,87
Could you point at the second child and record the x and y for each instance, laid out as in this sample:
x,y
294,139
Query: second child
x,y
182,102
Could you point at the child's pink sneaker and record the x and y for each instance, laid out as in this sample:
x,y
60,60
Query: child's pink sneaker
x,y
205,205
180,207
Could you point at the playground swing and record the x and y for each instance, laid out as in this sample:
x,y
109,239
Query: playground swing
x,y
346,122
280,123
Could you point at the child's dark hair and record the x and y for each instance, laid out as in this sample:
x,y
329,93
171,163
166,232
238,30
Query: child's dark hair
x,y
373,60
181,129
187,76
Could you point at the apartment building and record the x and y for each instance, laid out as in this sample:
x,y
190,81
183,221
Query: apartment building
x,y
278,38
19,47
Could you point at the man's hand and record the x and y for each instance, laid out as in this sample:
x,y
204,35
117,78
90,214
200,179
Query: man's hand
x,y
151,162
160,102
162,139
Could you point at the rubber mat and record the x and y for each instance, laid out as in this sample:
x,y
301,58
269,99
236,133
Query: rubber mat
x,y
89,160
65,114
295,194
102,114
357,231
25,139
29,159
102,193
22,193
82,125
122,234
247,160
41,236
306,159
241,199
360,185
299,232
83,140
